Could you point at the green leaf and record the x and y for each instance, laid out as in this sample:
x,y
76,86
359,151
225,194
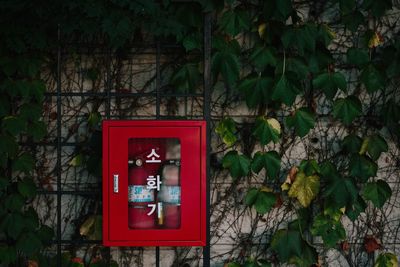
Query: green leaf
x,y
329,171
303,37
8,145
355,209
226,129
93,165
13,125
45,234
326,34
24,163
14,202
94,119
287,243
186,78
238,165
14,223
4,106
226,64
352,143
267,130
234,21
376,145
309,167
347,6
27,188
377,8
392,121
117,28
329,83
331,230
263,56
37,90
284,7
357,56
386,260
8,65
291,248
347,109
377,192
353,20
37,130
31,219
257,90
285,91
4,183
30,111
362,167
304,188
233,264
28,243
372,78
191,42
250,263
251,196
269,160
303,120
296,66
265,201
8,254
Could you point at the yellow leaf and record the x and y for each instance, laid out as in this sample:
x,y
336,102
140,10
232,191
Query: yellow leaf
x,y
285,186
261,30
364,146
274,125
331,33
304,188
87,226
265,189
375,40
76,161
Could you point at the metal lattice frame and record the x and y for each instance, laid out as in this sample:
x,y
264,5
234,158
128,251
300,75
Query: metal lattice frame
x,y
106,97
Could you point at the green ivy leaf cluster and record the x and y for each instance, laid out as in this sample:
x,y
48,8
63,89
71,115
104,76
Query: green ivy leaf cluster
x,y
289,64
21,95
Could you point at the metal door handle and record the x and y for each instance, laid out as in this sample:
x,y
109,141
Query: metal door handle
x,y
115,183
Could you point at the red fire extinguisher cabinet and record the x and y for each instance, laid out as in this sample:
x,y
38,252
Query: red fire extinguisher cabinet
x,y
138,157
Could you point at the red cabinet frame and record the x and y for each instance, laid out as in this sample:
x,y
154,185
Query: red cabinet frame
x,y
192,137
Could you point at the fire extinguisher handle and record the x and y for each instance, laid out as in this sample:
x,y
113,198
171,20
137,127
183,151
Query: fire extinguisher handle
x,y
116,183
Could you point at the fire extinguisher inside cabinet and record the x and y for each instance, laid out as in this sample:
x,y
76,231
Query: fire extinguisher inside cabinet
x,y
154,191
146,156
170,194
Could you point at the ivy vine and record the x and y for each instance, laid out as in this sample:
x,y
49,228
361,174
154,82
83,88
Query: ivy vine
x,y
269,55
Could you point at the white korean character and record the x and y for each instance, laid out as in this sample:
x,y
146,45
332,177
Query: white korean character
x,y
153,208
153,155
153,182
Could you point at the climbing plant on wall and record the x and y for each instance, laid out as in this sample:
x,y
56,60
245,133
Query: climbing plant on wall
x,y
281,64
288,65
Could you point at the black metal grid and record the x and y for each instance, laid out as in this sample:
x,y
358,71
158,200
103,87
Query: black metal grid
x,y
106,96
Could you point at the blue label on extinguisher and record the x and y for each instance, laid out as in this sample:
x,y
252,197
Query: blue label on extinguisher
x,y
140,193
170,194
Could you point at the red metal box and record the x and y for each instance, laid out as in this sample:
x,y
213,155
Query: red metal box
x,y
154,183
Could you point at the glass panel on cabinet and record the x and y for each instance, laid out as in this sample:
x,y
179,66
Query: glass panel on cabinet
x,y
154,191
